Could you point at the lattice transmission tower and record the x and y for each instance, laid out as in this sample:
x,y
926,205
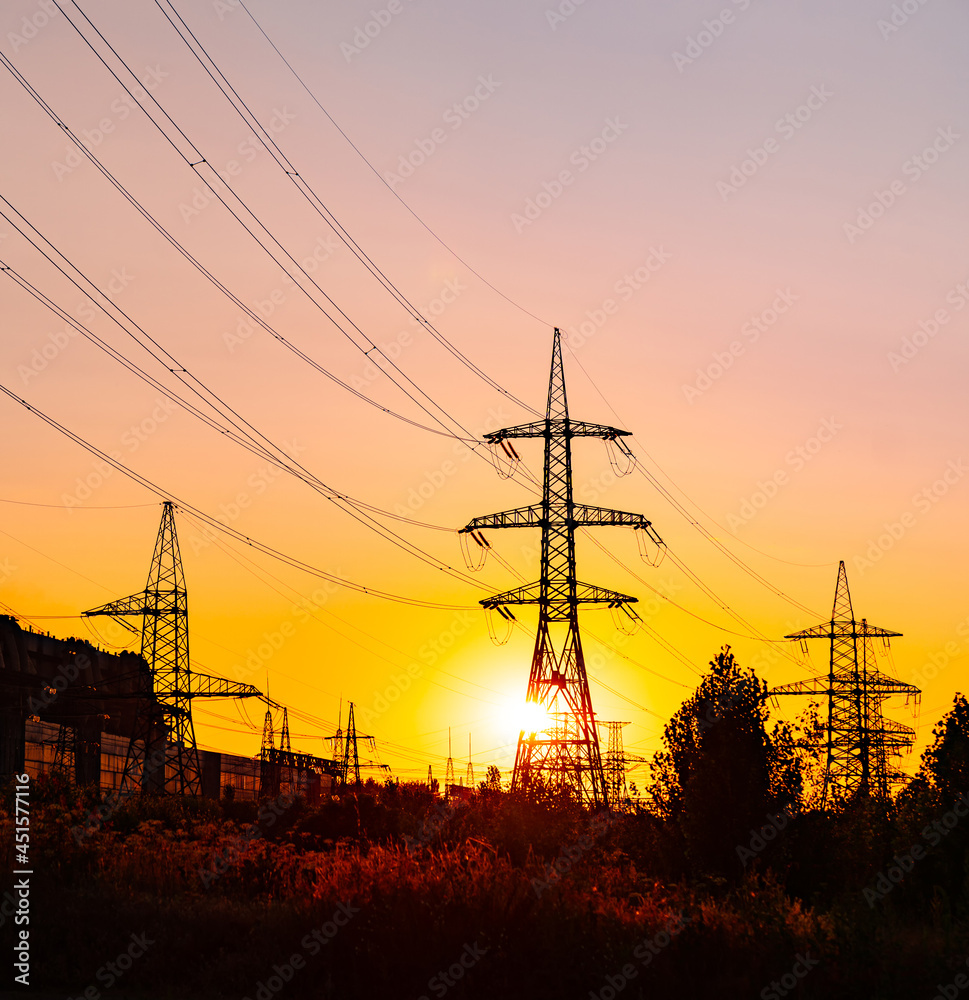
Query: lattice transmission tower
x,y
861,742
615,763
349,763
449,781
565,754
162,752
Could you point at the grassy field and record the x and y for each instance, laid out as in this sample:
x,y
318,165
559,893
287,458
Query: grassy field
x,y
391,893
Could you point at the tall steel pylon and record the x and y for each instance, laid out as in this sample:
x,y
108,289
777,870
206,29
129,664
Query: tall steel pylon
x,y
860,741
162,753
449,781
349,764
566,754
614,765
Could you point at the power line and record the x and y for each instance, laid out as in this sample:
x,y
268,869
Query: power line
x,y
195,159
360,511
383,181
269,143
218,525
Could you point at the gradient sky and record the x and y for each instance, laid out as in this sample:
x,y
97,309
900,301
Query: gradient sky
x,y
743,154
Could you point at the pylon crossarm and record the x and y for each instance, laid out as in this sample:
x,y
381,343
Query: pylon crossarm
x,y
520,517
599,517
136,604
207,686
881,684
557,427
585,593
816,685
583,517
897,729
843,630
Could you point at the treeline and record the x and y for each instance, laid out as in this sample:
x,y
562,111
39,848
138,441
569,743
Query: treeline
x,y
728,881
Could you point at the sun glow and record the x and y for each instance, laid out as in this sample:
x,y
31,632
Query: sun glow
x,y
533,717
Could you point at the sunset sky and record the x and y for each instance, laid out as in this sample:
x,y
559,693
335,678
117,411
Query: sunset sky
x,y
749,220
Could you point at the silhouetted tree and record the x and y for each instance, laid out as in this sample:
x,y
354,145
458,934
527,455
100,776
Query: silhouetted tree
x,y
721,776
946,763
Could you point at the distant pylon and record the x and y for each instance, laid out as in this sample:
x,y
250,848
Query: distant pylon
x,y
430,778
284,743
350,763
268,738
64,750
860,740
162,753
449,768
565,753
615,765
470,775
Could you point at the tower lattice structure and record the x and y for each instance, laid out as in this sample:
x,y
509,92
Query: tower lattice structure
x,y
348,762
861,742
615,763
566,755
162,752
449,780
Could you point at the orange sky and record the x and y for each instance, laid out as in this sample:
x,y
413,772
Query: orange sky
x,y
752,229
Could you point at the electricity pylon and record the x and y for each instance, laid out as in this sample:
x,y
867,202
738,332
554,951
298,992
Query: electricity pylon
x,y
860,741
470,774
614,765
162,752
566,755
449,781
284,741
350,762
